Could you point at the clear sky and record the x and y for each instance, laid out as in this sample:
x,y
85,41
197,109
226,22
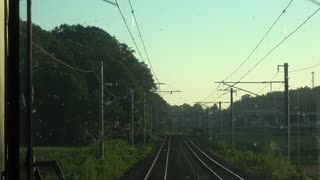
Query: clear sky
x,y
192,44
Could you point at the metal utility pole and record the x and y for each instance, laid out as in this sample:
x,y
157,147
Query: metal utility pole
x,y
220,111
144,120
208,129
132,118
151,119
101,114
298,119
170,92
232,116
197,119
312,79
220,118
286,104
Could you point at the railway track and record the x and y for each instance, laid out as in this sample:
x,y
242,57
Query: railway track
x,y
180,158
159,166
216,169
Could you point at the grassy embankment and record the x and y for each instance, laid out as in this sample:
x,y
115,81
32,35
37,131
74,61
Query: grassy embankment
x,y
262,152
81,163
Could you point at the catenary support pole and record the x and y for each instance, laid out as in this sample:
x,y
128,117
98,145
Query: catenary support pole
x,y
101,115
232,116
286,104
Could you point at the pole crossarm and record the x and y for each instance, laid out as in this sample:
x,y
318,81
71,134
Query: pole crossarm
x,y
167,91
251,82
110,2
248,82
210,102
242,89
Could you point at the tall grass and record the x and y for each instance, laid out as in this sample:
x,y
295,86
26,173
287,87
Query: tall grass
x,y
268,164
81,163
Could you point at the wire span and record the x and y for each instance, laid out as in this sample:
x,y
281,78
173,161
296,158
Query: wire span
x,y
260,42
126,24
303,69
282,41
57,60
142,40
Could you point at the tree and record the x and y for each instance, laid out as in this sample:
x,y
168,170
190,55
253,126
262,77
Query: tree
x,y
66,100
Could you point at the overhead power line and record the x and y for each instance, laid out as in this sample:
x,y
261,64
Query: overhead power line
x,y
274,76
303,69
220,96
57,60
109,92
144,46
315,2
282,41
215,90
70,66
126,24
280,86
110,2
262,39
172,87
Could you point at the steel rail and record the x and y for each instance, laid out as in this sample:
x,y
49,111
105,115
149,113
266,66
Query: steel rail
x,y
167,161
215,161
155,160
202,161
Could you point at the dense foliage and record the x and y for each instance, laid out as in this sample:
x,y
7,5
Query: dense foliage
x,y
66,101
81,163
266,111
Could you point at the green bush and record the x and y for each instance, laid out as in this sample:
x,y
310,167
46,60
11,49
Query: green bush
x,y
262,161
81,163
245,158
220,146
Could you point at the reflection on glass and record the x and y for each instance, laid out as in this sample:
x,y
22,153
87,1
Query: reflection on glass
x,y
245,123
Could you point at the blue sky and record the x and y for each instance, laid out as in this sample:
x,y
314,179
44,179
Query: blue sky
x,y
192,44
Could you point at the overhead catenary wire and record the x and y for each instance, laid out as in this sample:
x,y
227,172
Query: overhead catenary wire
x,y
57,60
217,98
257,46
265,86
278,45
215,90
260,42
306,68
142,40
280,86
315,2
128,29
109,92
70,66
172,87
110,2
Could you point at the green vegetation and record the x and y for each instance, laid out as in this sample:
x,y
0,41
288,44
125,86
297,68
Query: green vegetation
x,y
81,162
66,106
66,100
260,131
266,163
272,140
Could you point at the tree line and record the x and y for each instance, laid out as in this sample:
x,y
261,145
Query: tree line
x,y
265,111
66,100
